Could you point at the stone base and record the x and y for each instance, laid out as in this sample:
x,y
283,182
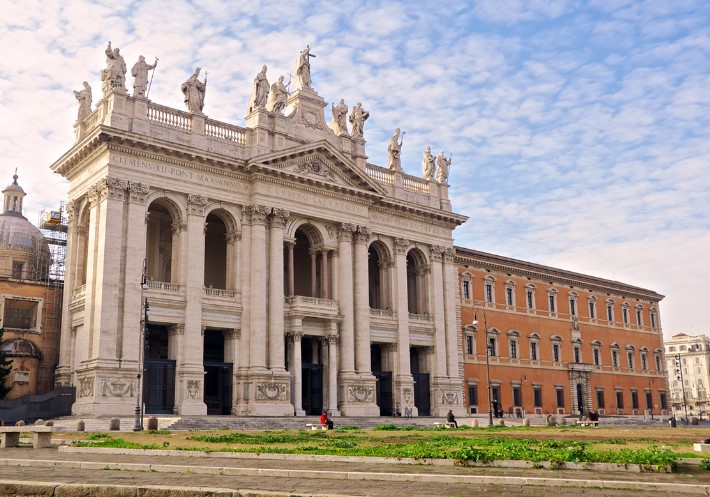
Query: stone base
x,y
356,394
102,391
264,393
446,395
700,447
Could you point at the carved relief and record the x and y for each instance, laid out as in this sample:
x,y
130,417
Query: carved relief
x,y
271,391
137,193
333,339
329,230
362,234
176,329
117,387
196,204
407,395
449,253
193,389
256,214
436,253
86,387
360,394
178,227
115,189
69,209
345,232
310,119
233,236
449,397
400,245
232,334
279,217
316,168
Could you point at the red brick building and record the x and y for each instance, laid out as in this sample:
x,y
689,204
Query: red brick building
x,y
560,342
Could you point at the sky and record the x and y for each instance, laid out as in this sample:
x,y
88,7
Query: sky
x,y
579,130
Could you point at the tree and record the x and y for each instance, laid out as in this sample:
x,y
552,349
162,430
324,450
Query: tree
x,y
5,369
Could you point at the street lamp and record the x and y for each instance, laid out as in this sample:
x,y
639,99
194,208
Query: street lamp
x,y
488,365
142,330
679,376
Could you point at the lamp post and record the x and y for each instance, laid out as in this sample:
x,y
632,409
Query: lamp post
x,y
138,425
488,366
679,375
523,378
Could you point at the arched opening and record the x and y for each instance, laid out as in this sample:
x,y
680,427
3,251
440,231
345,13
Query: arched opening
x,y
160,242
215,252
416,282
378,276
83,249
311,263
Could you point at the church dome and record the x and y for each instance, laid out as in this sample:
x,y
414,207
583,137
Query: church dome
x,y
20,347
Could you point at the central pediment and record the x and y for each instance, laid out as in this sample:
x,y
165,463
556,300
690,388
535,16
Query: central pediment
x,y
318,162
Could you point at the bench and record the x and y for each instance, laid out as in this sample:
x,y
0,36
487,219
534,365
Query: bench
x,y
586,422
445,424
316,427
10,436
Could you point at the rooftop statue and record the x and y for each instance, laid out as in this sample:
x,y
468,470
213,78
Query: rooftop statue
x,y
115,72
442,175
394,148
84,98
357,118
260,92
140,72
340,118
428,165
303,68
278,96
194,91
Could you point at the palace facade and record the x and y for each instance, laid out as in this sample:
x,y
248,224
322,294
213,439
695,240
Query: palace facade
x,y
688,362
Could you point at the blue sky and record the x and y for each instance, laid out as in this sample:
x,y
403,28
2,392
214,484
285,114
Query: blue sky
x,y
579,130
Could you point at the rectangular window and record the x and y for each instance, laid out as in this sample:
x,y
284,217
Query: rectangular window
x,y
530,299
644,362
658,363
662,399
592,311
577,357
653,320
600,399
516,397
597,362
513,349
533,351
634,399
560,394
537,396
20,314
473,395
572,307
469,344
509,296
625,315
17,269
489,292
555,353
619,399
492,346
649,400
552,303
630,359
466,289
639,317
610,313
614,359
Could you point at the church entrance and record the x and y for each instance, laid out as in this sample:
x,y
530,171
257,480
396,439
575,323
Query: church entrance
x,y
422,392
158,373
218,375
384,388
312,375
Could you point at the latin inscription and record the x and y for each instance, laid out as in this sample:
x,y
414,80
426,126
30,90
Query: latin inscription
x,y
316,200
410,225
177,172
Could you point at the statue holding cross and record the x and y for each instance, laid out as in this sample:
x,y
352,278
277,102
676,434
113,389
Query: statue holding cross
x,y
303,68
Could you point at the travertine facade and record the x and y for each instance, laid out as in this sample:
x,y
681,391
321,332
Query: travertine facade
x,y
284,274
690,378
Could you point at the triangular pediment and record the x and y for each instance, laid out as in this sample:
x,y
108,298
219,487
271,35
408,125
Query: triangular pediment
x,y
318,162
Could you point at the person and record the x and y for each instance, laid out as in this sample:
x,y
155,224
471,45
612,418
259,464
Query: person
x,y
140,72
325,420
340,112
593,416
84,98
260,92
443,173
495,408
394,148
278,96
194,91
303,68
428,166
115,72
357,118
451,419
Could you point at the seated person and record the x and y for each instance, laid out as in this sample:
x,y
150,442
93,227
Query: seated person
x,y
593,416
451,419
325,420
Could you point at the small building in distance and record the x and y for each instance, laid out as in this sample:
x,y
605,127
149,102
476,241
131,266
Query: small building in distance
x,y
30,299
688,360
560,342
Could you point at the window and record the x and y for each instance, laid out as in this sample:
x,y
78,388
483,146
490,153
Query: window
x,y
600,399
492,346
625,313
634,399
644,362
662,400
533,351
513,349
592,308
610,311
653,318
639,315
630,358
614,358
671,349
530,296
473,395
21,314
466,289
573,306
469,344
537,396
489,291
17,267
552,300
577,355
649,400
597,356
556,352
619,399
560,394
508,296
516,397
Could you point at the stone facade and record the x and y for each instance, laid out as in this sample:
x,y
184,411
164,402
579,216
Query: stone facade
x,y
279,271
691,378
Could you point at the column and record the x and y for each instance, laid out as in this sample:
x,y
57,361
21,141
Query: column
x,y
401,246
232,238
314,274
453,341
231,355
295,365
333,375
362,305
437,289
325,287
62,376
258,288
290,245
345,291
276,290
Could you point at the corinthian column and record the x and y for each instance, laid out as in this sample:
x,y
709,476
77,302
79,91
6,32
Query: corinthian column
x,y
453,343
257,317
345,294
437,287
362,307
276,290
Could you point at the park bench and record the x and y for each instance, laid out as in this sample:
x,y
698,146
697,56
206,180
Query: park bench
x,y
42,435
445,424
586,422
316,426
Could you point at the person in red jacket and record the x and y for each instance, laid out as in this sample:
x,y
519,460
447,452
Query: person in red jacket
x,y
325,420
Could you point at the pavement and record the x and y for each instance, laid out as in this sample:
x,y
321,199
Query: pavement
x,y
65,471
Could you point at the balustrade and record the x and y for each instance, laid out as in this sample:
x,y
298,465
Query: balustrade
x,y
170,117
224,131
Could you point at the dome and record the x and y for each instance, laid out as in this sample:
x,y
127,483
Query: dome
x,y
17,233
20,347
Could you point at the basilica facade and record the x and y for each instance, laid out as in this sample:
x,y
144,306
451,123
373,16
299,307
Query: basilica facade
x,y
259,270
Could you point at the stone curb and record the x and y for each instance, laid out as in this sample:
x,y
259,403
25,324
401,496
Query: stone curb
x,y
665,488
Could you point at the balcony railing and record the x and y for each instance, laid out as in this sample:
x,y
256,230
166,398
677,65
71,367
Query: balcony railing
x,y
169,117
78,292
301,299
164,286
218,292
419,317
381,312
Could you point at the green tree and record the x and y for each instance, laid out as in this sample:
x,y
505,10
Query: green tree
x,y
5,370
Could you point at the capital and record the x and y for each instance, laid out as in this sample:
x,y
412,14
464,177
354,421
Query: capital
x,y
362,234
345,232
196,204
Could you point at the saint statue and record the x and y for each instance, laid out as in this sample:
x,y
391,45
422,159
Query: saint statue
x,y
340,121
140,72
278,96
115,72
394,148
357,118
260,92
443,163
84,98
303,68
428,166
194,91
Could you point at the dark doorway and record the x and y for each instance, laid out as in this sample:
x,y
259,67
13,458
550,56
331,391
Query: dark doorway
x,y
218,375
421,393
384,392
312,375
580,399
158,373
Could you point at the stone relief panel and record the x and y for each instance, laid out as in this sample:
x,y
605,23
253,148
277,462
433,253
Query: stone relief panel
x,y
117,387
271,391
357,393
86,387
193,389
407,395
449,397
315,167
